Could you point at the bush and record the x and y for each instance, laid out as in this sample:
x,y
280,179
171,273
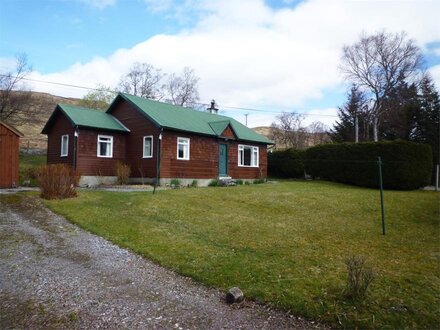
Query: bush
x,y
259,181
57,181
286,163
175,183
405,165
239,182
123,172
194,184
359,278
214,183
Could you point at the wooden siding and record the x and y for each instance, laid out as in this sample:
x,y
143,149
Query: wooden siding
x,y
61,126
9,142
203,162
228,133
88,163
203,159
139,126
244,172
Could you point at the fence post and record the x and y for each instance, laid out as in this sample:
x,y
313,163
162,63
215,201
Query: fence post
x,y
381,194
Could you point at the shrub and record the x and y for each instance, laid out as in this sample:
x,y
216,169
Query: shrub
x,y
259,181
123,172
194,184
286,163
57,181
239,182
175,183
359,277
406,165
214,183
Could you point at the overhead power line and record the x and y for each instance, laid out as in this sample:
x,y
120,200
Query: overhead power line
x,y
201,104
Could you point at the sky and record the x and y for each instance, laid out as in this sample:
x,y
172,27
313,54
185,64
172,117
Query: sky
x,y
271,56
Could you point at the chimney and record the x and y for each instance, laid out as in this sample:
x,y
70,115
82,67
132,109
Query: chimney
x,y
212,108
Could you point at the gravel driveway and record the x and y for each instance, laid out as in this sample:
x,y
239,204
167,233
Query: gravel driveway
x,y
55,275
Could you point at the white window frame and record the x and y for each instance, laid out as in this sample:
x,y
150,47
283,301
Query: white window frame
x,y
98,149
255,155
151,146
64,153
185,142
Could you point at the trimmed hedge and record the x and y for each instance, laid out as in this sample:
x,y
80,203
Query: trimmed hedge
x,y
286,163
406,165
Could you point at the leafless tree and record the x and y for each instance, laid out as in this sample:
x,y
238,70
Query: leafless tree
x,y
288,132
318,133
15,97
143,80
182,90
377,63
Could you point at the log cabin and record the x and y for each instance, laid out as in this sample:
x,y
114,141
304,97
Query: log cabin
x,y
159,141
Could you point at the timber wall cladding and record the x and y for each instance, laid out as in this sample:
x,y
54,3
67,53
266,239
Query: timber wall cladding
x,y
139,126
9,142
203,162
61,126
88,163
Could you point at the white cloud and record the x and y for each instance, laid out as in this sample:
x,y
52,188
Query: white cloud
x,y
247,53
435,73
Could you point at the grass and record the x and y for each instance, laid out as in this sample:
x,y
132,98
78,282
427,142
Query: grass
x,y
285,244
28,167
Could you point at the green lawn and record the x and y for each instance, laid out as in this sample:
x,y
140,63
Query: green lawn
x,y
285,244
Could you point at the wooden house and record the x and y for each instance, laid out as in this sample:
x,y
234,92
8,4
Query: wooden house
x,y
9,152
159,141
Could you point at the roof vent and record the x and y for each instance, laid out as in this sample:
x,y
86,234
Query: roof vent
x,y
212,108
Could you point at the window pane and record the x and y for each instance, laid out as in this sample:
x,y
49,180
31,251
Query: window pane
x,y
247,156
147,147
181,151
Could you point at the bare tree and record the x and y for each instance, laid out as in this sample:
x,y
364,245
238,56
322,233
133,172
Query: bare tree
x,y
288,132
98,98
377,63
182,90
143,80
318,133
15,98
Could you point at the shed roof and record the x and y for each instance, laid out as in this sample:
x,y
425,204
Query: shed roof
x,y
184,119
85,117
12,129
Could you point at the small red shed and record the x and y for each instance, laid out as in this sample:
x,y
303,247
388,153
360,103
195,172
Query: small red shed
x,y
9,144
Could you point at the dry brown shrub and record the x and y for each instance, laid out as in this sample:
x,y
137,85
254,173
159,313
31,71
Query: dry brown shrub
x,y
123,172
57,181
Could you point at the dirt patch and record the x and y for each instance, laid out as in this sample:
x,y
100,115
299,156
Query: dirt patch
x,y
55,275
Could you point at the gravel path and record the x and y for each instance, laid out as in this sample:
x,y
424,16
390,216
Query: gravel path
x,y
55,275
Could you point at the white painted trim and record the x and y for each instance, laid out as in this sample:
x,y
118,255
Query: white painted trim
x,y
189,142
98,148
253,148
143,146
66,153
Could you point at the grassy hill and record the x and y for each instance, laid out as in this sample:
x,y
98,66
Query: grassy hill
x,y
42,106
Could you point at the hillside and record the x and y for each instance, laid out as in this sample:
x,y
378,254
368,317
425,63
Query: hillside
x,y
42,106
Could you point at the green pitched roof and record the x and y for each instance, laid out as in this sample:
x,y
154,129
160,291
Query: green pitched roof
x,y
85,117
183,119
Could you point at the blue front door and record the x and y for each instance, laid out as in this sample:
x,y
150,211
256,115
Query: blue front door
x,y
222,159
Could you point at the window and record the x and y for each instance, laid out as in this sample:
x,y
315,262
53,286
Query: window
x,y
64,145
105,146
247,156
183,148
148,147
